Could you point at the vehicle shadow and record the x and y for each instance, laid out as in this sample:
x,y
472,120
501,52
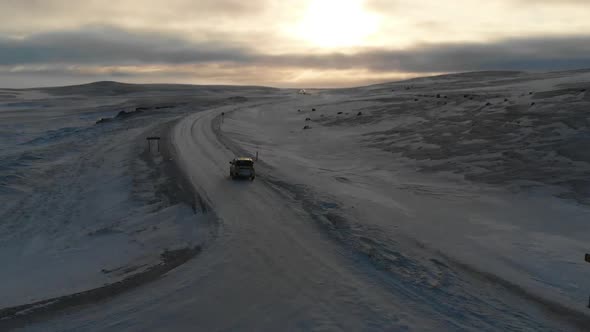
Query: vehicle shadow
x,y
240,179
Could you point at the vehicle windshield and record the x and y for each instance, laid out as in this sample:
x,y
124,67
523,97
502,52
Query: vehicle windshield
x,y
244,163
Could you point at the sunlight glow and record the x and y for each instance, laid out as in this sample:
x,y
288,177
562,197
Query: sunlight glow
x,y
337,23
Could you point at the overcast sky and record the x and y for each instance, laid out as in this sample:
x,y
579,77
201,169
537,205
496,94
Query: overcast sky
x,y
285,43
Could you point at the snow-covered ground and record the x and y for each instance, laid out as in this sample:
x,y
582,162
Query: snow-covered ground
x,y
447,203
384,166
86,204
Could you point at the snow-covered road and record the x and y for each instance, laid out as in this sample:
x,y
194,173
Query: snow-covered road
x,y
270,269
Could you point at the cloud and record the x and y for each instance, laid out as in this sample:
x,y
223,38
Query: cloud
x,y
102,52
230,7
553,2
532,53
108,45
113,46
204,20
18,14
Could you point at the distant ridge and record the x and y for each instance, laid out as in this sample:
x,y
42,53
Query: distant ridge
x,y
112,88
484,74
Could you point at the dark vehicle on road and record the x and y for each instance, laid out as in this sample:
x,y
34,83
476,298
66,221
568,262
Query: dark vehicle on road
x,y
242,167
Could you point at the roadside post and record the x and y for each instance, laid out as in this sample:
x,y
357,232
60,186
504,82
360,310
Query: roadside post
x,y
587,259
153,138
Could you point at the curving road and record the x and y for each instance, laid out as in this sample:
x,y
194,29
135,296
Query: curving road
x,y
270,267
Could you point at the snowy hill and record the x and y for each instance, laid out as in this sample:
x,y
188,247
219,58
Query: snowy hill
x,y
110,88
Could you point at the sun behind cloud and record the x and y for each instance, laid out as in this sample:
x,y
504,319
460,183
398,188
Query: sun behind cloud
x,y
336,23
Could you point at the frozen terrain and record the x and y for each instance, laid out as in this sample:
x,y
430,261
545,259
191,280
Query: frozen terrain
x,y
458,202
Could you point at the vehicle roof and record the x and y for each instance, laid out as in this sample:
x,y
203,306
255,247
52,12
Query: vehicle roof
x,y
244,158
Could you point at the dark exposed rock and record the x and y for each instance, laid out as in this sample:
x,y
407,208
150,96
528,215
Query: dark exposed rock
x,y
122,115
125,114
238,99
103,120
